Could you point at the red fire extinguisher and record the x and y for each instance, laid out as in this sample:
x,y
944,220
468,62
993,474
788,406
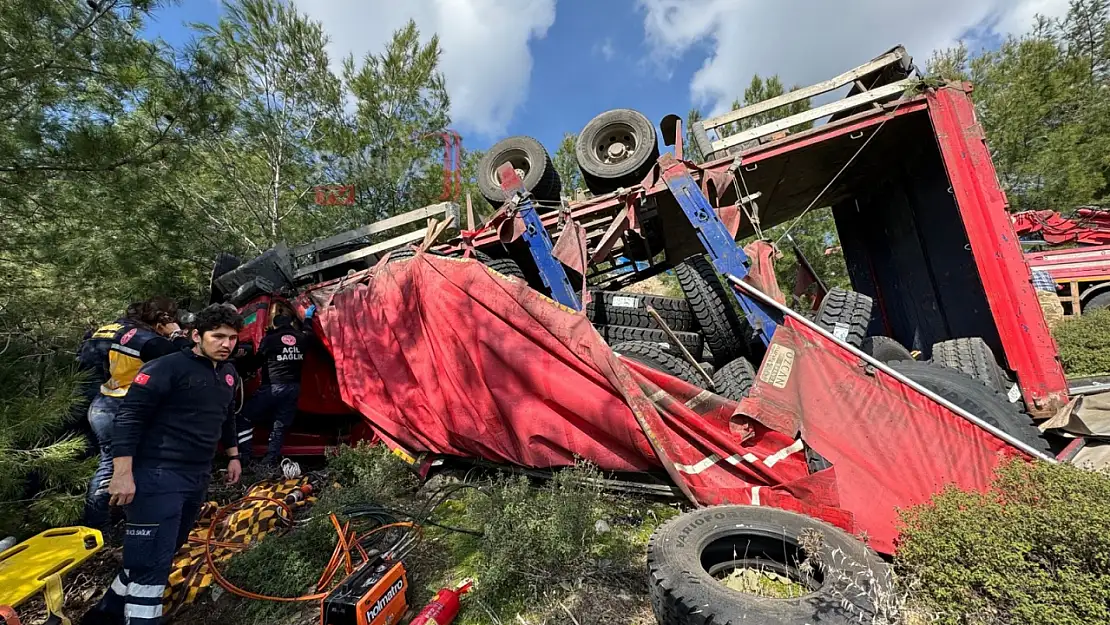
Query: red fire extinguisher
x,y
444,607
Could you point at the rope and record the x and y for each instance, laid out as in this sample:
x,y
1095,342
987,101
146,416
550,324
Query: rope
x,y
752,218
838,174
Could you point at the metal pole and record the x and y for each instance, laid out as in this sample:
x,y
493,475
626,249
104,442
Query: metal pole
x,y
677,343
756,293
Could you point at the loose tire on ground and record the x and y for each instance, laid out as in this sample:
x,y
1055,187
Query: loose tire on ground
x,y
630,309
734,380
726,334
688,554
977,398
692,341
974,357
846,314
654,356
616,149
530,159
885,349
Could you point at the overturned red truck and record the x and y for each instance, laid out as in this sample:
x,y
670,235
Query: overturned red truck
x,y
512,343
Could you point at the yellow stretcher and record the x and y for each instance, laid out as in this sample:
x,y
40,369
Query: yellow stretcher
x,y
37,565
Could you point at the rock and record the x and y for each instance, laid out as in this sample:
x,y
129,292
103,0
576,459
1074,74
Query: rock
x,y
601,527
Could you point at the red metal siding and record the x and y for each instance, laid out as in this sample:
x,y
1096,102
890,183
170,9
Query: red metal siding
x,y
1030,350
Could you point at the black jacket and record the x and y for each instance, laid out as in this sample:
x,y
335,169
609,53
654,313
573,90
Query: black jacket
x,y
281,354
179,406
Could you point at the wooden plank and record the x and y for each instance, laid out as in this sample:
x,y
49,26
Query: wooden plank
x,y
813,90
814,114
390,244
448,208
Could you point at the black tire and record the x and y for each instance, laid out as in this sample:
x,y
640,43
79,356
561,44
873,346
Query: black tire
x,y
618,127
528,155
683,551
654,356
846,314
734,380
975,397
726,334
692,341
506,267
885,349
974,357
1098,302
630,309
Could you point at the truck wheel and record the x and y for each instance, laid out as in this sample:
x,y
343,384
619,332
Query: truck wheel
x,y
734,380
726,334
884,349
746,564
975,397
974,357
532,164
654,356
846,314
1098,302
692,341
505,267
630,309
616,149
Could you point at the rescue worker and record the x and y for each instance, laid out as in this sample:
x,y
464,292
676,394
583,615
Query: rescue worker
x,y
281,354
163,445
114,353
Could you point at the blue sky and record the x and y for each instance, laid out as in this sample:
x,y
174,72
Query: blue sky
x,y
545,67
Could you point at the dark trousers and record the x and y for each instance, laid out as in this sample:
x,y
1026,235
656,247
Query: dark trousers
x,y
274,405
166,505
102,413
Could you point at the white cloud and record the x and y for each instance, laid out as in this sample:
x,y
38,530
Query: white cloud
x,y
605,49
486,57
805,42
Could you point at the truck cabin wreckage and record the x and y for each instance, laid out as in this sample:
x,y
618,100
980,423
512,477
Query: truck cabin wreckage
x,y
495,344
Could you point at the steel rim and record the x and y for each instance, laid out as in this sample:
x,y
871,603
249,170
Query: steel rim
x,y
515,157
615,143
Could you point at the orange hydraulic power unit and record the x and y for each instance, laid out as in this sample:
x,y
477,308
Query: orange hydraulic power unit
x,y
374,594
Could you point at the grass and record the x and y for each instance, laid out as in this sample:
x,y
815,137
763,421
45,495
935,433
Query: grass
x,y
546,546
1084,343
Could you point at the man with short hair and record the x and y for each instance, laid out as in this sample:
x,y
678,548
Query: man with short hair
x,y
164,440
113,354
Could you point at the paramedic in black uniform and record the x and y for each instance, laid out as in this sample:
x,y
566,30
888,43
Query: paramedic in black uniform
x,y
164,439
281,355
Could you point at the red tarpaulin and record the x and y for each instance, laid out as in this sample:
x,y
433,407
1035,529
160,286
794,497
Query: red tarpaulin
x,y
447,356
890,446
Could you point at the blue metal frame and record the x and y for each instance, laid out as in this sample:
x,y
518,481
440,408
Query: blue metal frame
x,y
727,256
552,272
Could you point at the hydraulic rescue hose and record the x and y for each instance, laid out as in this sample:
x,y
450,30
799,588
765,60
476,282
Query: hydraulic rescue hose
x,y
347,541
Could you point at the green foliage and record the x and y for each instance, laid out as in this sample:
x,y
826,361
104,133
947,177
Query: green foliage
x,y
1084,343
566,163
1042,99
373,469
534,537
1035,549
42,474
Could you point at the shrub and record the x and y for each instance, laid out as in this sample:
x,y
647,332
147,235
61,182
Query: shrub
x,y
534,537
374,470
1034,549
1084,343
